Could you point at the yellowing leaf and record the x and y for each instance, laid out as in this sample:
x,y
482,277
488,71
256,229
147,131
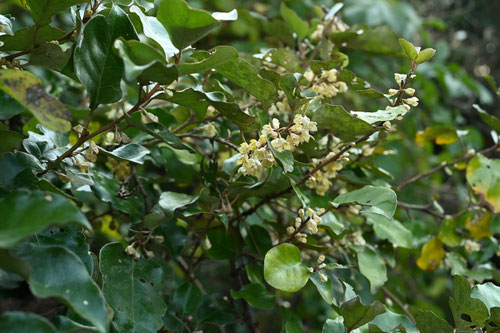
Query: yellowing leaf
x,y
483,175
27,89
479,228
439,134
431,255
109,228
461,166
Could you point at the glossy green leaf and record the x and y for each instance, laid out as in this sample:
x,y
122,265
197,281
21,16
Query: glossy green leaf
x,y
488,293
483,175
380,115
153,29
97,66
187,298
26,213
133,290
324,288
51,56
23,38
409,48
245,75
144,63
372,267
64,324
9,141
256,295
425,55
27,89
473,308
393,322
25,322
356,314
170,201
216,57
380,199
390,229
10,107
333,326
43,10
428,322
58,272
336,118
298,25
283,269
17,169
490,120
185,25
132,152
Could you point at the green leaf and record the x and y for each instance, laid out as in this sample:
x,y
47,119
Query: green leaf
x,y
390,229
144,63
245,75
490,120
187,298
256,295
298,25
23,38
393,322
324,288
133,289
199,102
58,272
459,266
283,269
25,322
465,304
50,55
43,10
425,55
448,233
483,175
131,152
152,28
64,324
488,293
97,66
184,24
216,57
372,267
333,326
428,322
336,118
17,169
9,141
170,201
10,107
409,48
26,88
380,199
356,314
25,213
380,115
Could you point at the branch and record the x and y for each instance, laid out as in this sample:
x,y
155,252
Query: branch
x,y
465,157
396,300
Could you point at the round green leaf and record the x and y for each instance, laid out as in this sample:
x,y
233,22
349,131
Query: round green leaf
x,y
283,269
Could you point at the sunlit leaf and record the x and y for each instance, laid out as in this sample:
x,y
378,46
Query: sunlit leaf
x,y
483,175
283,269
431,255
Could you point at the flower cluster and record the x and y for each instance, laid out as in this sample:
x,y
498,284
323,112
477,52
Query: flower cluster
x,y
335,24
320,180
256,155
407,102
309,218
319,266
327,84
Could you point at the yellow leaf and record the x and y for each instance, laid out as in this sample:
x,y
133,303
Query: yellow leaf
x,y
441,135
109,228
446,138
431,255
483,175
479,228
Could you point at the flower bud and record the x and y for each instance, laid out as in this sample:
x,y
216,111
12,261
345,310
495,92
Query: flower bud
x,y
323,277
321,258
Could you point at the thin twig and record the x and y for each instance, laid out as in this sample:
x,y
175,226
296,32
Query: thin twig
x,y
396,300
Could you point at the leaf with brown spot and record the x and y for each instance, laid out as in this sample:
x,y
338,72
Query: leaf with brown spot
x,y
483,175
25,88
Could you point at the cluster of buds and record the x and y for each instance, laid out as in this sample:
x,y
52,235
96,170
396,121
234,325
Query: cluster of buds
x,y
308,217
133,249
256,155
121,169
357,238
327,84
471,246
320,180
335,24
280,108
209,129
320,265
407,102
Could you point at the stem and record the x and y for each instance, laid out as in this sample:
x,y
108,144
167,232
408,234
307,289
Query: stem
x,y
396,300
